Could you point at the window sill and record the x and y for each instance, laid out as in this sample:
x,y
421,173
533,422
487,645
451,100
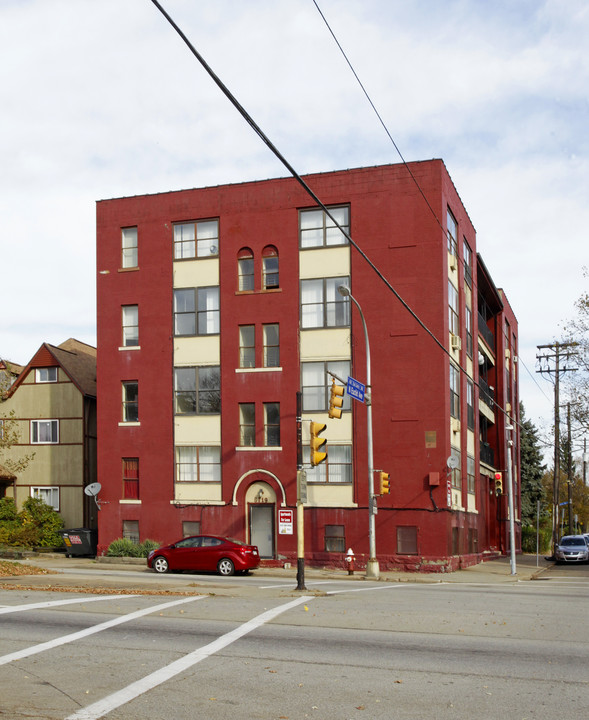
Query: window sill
x,y
131,347
129,502
129,424
257,370
129,269
258,292
262,448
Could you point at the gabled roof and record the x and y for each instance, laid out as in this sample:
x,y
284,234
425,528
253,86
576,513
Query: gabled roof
x,y
76,359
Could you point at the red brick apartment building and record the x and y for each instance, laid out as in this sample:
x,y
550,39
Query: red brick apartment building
x,y
217,305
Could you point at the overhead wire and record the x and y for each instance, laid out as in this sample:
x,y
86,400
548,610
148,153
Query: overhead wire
x,y
266,140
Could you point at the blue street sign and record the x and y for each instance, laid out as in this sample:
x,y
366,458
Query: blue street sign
x,y
356,389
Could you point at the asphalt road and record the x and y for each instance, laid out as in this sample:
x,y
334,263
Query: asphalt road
x,y
256,648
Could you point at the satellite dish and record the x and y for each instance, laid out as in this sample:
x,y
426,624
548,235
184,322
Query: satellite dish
x,y
93,489
452,462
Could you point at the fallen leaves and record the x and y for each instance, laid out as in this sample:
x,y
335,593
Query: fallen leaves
x,y
14,569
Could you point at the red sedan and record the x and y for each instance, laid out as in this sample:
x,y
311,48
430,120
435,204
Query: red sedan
x,y
207,553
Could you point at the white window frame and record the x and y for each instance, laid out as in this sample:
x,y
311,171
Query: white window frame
x,y
41,491
130,325
43,375
54,431
129,249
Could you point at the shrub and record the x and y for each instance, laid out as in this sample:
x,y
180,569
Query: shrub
x,y
123,547
529,539
7,510
147,546
37,524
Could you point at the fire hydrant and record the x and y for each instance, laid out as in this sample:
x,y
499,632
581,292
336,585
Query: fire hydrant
x,y
351,560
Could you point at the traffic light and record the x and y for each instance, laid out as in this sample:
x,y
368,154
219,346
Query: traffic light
x,y
498,483
385,485
336,400
316,443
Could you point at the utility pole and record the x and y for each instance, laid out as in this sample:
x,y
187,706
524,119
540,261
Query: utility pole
x,y
556,352
570,469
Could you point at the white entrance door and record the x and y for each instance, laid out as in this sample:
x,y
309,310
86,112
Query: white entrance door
x,y
262,528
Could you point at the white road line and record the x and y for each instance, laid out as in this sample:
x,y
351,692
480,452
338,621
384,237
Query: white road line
x,y
35,649
389,586
111,702
56,603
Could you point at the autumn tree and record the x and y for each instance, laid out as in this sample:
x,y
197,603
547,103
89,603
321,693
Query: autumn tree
x,y
9,431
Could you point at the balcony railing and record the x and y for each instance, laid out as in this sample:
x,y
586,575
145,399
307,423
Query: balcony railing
x,y
486,393
487,334
487,454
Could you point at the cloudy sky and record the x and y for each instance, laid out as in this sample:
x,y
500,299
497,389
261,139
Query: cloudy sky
x,y
102,99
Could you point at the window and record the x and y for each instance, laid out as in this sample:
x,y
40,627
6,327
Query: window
x,y
131,530
130,401
270,276
44,432
131,478
470,404
208,314
129,257
130,322
456,472
470,474
453,310
318,230
272,424
247,424
197,390
316,384
196,239
452,233
198,464
247,346
322,305
271,334
46,375
467,264
335,538
407,540
454,391
336,469
245,270
190,527
49,495
468,322
196,311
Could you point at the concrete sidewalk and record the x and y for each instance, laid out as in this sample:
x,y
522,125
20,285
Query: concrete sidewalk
x,y
132,574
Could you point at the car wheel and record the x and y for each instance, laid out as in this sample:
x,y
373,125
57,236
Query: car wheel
x,y
225,567
160,564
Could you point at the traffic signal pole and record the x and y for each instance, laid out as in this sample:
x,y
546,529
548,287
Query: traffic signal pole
x,y
372,566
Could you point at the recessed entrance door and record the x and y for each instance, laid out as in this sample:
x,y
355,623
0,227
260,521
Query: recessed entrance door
x,y
262,528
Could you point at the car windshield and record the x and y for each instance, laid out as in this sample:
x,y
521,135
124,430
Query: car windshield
x,y
573,541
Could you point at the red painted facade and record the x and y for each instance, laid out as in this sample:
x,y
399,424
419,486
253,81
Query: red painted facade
x,y
420,524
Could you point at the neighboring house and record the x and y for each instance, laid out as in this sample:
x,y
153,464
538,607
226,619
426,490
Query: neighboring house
x,y
54,404
217,305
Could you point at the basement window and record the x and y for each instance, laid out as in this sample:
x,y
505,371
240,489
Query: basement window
x,y
407,540
335,538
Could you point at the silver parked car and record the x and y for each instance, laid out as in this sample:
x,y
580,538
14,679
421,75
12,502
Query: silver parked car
x,y
572,548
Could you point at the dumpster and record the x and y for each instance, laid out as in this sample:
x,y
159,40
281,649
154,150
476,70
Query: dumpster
x,y
80,541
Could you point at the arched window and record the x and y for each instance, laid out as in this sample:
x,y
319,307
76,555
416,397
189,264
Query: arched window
x,y
270,277
245,269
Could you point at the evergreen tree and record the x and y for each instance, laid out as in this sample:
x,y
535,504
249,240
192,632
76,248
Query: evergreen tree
x,y
532,469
